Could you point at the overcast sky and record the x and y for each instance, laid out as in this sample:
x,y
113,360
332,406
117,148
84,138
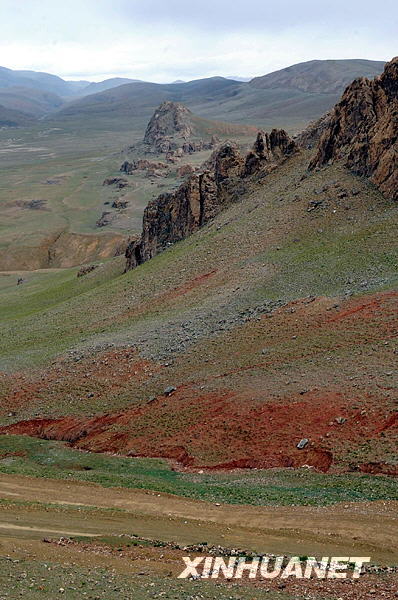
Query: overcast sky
x,y
164,40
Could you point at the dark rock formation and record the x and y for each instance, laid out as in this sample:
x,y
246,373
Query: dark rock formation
x,y
85,269
268,151
173,216
105,219
120,182
169,119
141,164
363,131
121,204
185,170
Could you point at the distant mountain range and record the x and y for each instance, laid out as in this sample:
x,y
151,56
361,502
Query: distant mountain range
x,y
289,97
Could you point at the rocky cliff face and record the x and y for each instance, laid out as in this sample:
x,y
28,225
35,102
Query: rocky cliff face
x,y
363,131
173,216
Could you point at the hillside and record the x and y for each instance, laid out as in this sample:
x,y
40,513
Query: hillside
x,y
319,76
272,318
34,102
39,94
101,86
271,105
14,118
225,387
43,82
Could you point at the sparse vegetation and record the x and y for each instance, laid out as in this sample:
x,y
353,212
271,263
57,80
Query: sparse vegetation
x,y
27,456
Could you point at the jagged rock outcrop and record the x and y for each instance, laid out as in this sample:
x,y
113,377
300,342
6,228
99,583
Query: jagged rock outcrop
x,y
141,164
174,127
268,151
185,170
120,182
363,131
173,216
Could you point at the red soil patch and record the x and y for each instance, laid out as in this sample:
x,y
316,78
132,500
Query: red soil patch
x,y
219,430
101,375
224,429
190,285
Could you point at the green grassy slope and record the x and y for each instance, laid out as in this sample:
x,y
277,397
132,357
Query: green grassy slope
x,y
252,244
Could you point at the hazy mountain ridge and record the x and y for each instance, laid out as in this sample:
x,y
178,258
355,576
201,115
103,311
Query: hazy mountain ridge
x,y
319,76
289,98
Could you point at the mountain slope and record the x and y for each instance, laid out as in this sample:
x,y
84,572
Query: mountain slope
x,y
260,320
319,76
107,84
14,118
264,339
146,96
31,101
274,104
35,80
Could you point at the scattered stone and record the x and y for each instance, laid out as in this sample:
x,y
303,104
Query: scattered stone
x,y
105,219
169,390
120,182
303,443
121,204
86,269
313,204
38,204
340,420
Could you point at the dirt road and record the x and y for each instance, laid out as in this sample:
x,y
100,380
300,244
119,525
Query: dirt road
x,y
364,529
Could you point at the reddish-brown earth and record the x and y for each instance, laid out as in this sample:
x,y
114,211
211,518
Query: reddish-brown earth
x,y
187,426
213,420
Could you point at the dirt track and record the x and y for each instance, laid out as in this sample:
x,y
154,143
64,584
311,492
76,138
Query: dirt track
x,y
369,529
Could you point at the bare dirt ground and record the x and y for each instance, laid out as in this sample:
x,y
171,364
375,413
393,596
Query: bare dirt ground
x,y
92,515
340,530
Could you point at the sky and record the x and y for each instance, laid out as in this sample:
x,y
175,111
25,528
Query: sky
x,y
165,40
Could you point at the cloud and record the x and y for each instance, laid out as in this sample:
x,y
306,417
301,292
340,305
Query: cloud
x,y
163,41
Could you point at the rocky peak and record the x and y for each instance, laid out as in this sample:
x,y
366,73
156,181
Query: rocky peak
x,y
170,119
173,130
363,131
